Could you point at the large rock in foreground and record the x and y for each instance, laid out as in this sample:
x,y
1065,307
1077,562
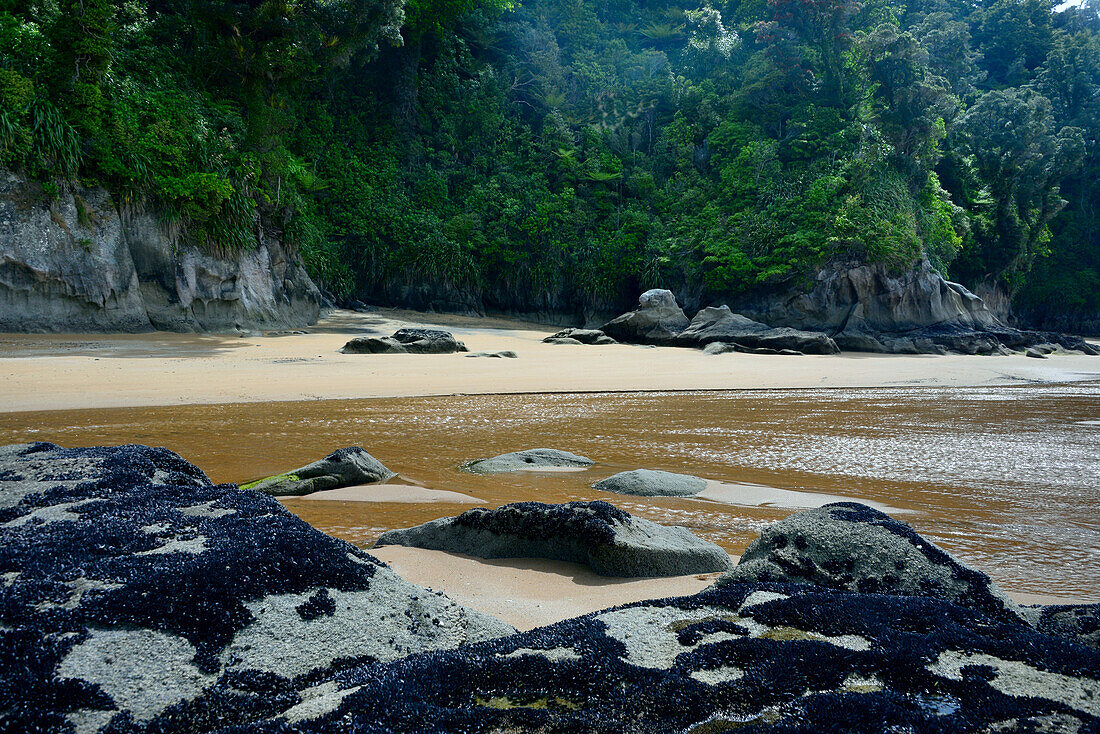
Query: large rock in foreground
x,y
609,541
721,325
406,341
657,320
850,546
746,658
136,595
529,460
348,467
652,483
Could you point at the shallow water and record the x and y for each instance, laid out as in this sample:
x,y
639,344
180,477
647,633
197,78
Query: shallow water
x,y
1006,478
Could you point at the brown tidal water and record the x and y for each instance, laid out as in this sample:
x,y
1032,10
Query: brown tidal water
x,y
1005,478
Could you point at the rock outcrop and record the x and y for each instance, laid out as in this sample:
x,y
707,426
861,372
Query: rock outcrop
x,y
652,483
406,341
136,595
747,657
720,325
347,467
529,460
76,263
868,308
609,541
658,319
847,545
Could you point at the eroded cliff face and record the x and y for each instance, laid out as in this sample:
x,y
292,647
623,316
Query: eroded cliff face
x,y
77,264
854,297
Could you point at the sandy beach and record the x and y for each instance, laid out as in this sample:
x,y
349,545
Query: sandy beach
x,y
248,390
529,592
66,371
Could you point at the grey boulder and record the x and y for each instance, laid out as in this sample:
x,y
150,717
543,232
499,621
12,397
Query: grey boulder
x,y
581,336
606,539
527,460
658,320
406,341
347,467
850,546
720,324
652,483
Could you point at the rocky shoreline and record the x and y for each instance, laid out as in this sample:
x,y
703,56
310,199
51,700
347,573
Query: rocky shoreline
x,y
923,315
137,596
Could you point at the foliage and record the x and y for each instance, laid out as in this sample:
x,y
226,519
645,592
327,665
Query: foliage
x,y
563,154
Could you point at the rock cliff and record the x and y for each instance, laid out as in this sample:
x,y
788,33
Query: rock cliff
x,y
76,263
868,308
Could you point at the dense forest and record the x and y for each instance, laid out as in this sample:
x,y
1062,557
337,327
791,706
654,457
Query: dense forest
x,y
564,154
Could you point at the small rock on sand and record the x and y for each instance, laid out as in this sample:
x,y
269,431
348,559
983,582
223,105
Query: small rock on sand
x,y
528,460
652,483
406,341
506,354
346,467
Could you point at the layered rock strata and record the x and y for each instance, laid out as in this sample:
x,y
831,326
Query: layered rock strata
x,y
75,263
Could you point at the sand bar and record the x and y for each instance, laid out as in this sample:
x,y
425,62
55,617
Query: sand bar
x,y
759,495
401,493
533,592
66,371
529,592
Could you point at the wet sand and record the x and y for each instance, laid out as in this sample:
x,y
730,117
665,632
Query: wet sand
x,y
398,493
528,593
66,371
1005,478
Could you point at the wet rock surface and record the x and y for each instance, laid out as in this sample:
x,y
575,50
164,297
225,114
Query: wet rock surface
x,y
721,325
847,545
652,483
606,539
747,657
529,460
406,341
658,319
347,467
137,596
1078,622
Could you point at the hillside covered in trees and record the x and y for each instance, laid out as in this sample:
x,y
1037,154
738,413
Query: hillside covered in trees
x,y
561,155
